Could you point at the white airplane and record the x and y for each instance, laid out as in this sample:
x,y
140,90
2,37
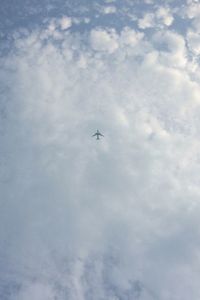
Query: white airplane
x,y
97,134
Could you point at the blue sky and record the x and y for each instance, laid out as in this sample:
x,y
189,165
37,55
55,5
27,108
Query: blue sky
x,y
111,219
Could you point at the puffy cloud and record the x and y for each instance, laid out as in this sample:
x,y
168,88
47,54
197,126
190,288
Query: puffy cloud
x,y
192,12
130,36
109,9
147,21
165,15
172,48
103,40
59,23
65,23
193,39
192,9
162,16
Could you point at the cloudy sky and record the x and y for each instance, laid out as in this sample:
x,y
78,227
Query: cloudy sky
x,y
115,219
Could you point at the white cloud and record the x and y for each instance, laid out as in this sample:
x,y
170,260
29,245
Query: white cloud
x,y
56,26
192,10
52,26
172,48
106,10
162,16
109,9
65,23
87,220
193,39
130,36
147,21
103,40
87,20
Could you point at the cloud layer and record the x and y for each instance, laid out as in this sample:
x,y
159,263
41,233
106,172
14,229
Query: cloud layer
x,y
109,219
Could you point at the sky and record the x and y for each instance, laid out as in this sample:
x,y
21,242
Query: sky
x,y
109,219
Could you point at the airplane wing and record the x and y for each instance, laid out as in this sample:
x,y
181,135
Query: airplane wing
x,y
101,134
94,134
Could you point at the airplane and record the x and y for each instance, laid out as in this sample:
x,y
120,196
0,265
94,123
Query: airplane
x,y
97,134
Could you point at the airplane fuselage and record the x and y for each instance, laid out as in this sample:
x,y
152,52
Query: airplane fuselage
x,y
98,134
